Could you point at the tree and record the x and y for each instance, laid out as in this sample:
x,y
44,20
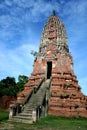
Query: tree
x,y
22,79
8,87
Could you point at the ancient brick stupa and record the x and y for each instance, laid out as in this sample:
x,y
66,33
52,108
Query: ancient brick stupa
x,y
55,63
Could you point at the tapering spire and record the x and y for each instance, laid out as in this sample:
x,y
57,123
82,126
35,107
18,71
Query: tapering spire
x,y
54,33
54,12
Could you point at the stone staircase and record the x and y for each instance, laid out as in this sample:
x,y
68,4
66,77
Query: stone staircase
x,y
35,104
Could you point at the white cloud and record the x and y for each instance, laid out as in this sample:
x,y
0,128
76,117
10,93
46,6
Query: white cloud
x,y
42,7
74,7
25,4
32,10
17,61
8,2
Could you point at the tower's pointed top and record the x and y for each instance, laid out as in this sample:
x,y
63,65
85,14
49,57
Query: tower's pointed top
x,y
54,13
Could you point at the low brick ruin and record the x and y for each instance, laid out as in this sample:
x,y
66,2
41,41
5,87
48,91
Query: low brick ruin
x,y
54,60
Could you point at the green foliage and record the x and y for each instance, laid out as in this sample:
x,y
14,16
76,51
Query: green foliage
x,y
76,106
3,115
22,79
73,94
9,87
64,96
34,53
79,88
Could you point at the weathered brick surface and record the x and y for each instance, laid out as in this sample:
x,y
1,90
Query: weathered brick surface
x,y
5,101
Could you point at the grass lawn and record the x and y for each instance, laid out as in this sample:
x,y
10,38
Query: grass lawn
x,y
3,115
61,123
47,123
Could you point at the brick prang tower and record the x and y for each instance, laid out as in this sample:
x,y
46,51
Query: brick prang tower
x,y
55,61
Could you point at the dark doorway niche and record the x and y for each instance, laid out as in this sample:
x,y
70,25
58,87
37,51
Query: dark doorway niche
x,y
49,69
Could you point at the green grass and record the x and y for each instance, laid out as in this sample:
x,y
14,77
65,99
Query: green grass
x,y
62,123
48,123
3,115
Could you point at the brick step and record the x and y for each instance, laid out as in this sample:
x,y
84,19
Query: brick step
x,y
25,114
30,106
28,110
22,119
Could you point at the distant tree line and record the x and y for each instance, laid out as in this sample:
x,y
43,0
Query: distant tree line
x,y
9,86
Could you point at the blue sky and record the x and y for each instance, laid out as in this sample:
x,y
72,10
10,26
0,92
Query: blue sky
x,y
21,24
